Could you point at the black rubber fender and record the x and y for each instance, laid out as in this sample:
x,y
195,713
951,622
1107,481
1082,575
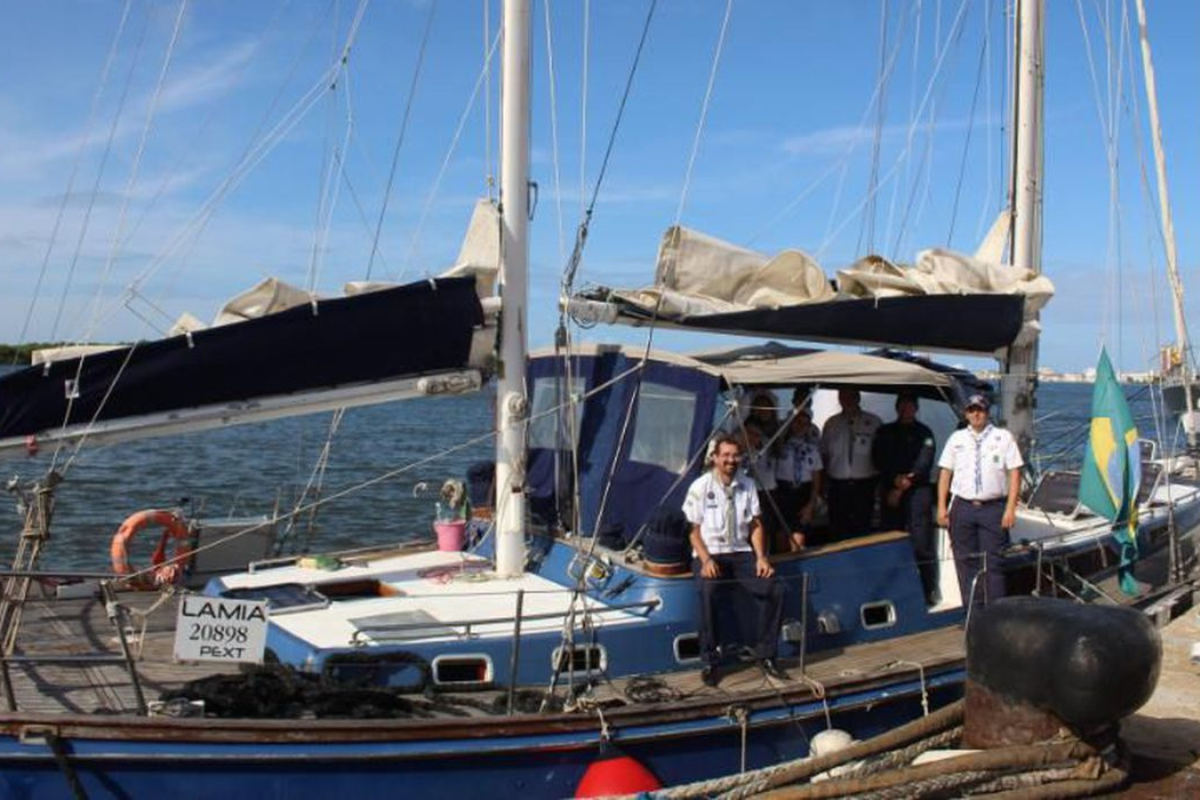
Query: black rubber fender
x,y
1087,664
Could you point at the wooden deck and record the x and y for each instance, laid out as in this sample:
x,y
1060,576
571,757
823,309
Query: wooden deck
x,y
74,628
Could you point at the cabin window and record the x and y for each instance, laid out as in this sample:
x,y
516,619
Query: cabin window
x,y
548,430
687,648
467,670
581,658
878,615
664,426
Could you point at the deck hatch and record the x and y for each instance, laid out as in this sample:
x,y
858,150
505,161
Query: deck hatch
x,y
402,626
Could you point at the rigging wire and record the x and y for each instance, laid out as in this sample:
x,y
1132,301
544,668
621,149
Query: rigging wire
x,y
66,198
925,168
253,156
914,69
908,146
990,152
135,170
962,166
330,185
867,228
95,192
129,354
408,104
414,240
554,155
264,118
327,158
582,231
584,69
708,91
489,166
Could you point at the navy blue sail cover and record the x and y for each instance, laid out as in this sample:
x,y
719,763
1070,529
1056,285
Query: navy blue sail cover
x,y
407,330
672,411
975,323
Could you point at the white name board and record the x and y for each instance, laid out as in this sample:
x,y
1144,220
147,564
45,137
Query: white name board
x,y
216,629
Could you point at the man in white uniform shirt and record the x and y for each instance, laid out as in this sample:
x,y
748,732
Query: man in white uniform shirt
x,y
730,550
981,468
846,443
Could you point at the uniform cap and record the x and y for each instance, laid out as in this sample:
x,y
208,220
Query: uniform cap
x,y
978,400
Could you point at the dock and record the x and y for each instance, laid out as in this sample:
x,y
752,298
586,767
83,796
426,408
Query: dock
x,y
1164,735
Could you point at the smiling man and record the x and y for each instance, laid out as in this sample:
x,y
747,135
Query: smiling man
x,y
729,549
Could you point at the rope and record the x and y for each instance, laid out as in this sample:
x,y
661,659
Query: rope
x,y
55,743
755,781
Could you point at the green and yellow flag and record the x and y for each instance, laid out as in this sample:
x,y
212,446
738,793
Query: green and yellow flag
x,y
1112,467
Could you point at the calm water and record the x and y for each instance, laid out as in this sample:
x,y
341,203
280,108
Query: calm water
x,y
249,469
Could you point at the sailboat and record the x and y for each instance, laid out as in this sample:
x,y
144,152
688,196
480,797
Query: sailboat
x,y
508,667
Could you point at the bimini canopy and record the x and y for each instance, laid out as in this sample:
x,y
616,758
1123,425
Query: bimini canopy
x,y
640,422
946,301
776,365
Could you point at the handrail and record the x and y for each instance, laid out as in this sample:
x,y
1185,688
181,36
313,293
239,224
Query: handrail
x,y
357,638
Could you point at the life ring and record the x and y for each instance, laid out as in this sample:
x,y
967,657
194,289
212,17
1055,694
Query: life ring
x,y
175,530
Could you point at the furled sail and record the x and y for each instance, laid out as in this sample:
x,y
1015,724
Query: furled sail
x,y
272,351
419,338
946,301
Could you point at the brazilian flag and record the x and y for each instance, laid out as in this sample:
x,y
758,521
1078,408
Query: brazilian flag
x,y
1112,467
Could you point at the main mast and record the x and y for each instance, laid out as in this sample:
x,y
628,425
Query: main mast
x,y
1168,229
1020,362
512,405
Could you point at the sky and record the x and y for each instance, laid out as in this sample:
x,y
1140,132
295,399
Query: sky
x,y
157,158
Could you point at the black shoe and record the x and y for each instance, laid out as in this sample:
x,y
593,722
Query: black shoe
x,y
772,669
710,676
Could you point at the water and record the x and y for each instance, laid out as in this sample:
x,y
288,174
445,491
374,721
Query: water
x,y
249,469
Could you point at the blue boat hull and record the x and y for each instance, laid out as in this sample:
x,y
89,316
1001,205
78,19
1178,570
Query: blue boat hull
x,y
163,758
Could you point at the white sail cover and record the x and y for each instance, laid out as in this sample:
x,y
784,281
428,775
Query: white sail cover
x,y
699,275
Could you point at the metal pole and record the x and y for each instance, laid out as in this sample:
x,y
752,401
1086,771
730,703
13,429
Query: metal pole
x,y
1168,227
1020,362
516,652
512,405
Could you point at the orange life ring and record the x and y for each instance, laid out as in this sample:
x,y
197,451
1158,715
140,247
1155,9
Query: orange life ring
x,y
175,530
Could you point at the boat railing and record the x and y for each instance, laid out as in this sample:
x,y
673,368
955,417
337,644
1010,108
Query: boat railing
x,y
116,612
402,631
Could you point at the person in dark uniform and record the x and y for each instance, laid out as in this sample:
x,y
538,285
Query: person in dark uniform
x,y
904,453
851,476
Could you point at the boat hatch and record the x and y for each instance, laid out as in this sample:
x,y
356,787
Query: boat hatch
x,y
281,598
880,614
581,658
687,647
400,626
462,671
357,589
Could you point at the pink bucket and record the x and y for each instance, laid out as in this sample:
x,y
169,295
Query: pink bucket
x,y
451,536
